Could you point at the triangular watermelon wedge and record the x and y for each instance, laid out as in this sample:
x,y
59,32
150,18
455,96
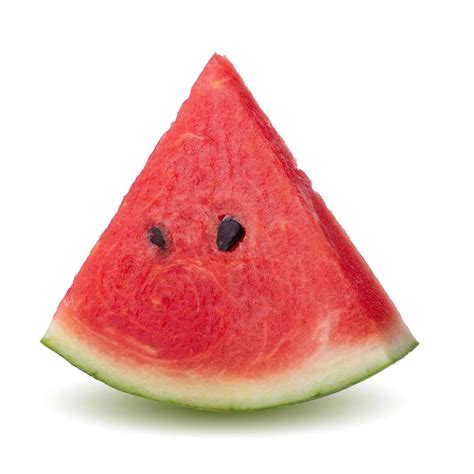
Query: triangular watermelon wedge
x,y
223,282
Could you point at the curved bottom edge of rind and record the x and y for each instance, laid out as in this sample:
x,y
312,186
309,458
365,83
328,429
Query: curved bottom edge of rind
x,y
316,393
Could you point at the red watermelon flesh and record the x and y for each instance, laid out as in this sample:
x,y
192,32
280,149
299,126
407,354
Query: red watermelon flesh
x,y
290,312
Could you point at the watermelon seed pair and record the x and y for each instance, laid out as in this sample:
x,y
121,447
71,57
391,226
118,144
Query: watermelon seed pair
x,y
229,234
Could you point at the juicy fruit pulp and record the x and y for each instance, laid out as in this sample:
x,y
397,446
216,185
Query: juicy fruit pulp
x,y
223,281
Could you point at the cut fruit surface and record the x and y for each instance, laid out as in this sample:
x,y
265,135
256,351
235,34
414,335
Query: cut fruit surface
x,y
223,282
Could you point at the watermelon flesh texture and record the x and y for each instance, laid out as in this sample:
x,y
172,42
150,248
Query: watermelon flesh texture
x,y
291,313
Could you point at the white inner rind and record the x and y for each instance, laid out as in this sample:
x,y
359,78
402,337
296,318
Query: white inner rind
x,y
326,372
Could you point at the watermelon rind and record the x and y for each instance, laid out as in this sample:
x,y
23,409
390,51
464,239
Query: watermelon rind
x,y
325,374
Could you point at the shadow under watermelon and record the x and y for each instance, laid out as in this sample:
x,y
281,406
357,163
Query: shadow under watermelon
x,y
100,404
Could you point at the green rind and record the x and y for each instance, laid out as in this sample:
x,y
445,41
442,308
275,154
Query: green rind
x,y
141,393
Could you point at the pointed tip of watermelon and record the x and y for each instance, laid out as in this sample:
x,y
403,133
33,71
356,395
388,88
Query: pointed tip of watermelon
x,y
219,57
219,67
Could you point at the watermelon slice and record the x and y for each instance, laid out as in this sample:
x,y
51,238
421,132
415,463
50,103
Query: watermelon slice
x,y
224,282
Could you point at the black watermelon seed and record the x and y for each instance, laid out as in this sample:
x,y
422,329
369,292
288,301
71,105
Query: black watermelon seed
x,y
230,232
156,237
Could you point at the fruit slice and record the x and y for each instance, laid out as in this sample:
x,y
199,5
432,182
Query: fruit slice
x,y
223,282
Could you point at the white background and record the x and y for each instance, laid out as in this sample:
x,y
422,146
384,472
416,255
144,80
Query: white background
x,y
376,101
